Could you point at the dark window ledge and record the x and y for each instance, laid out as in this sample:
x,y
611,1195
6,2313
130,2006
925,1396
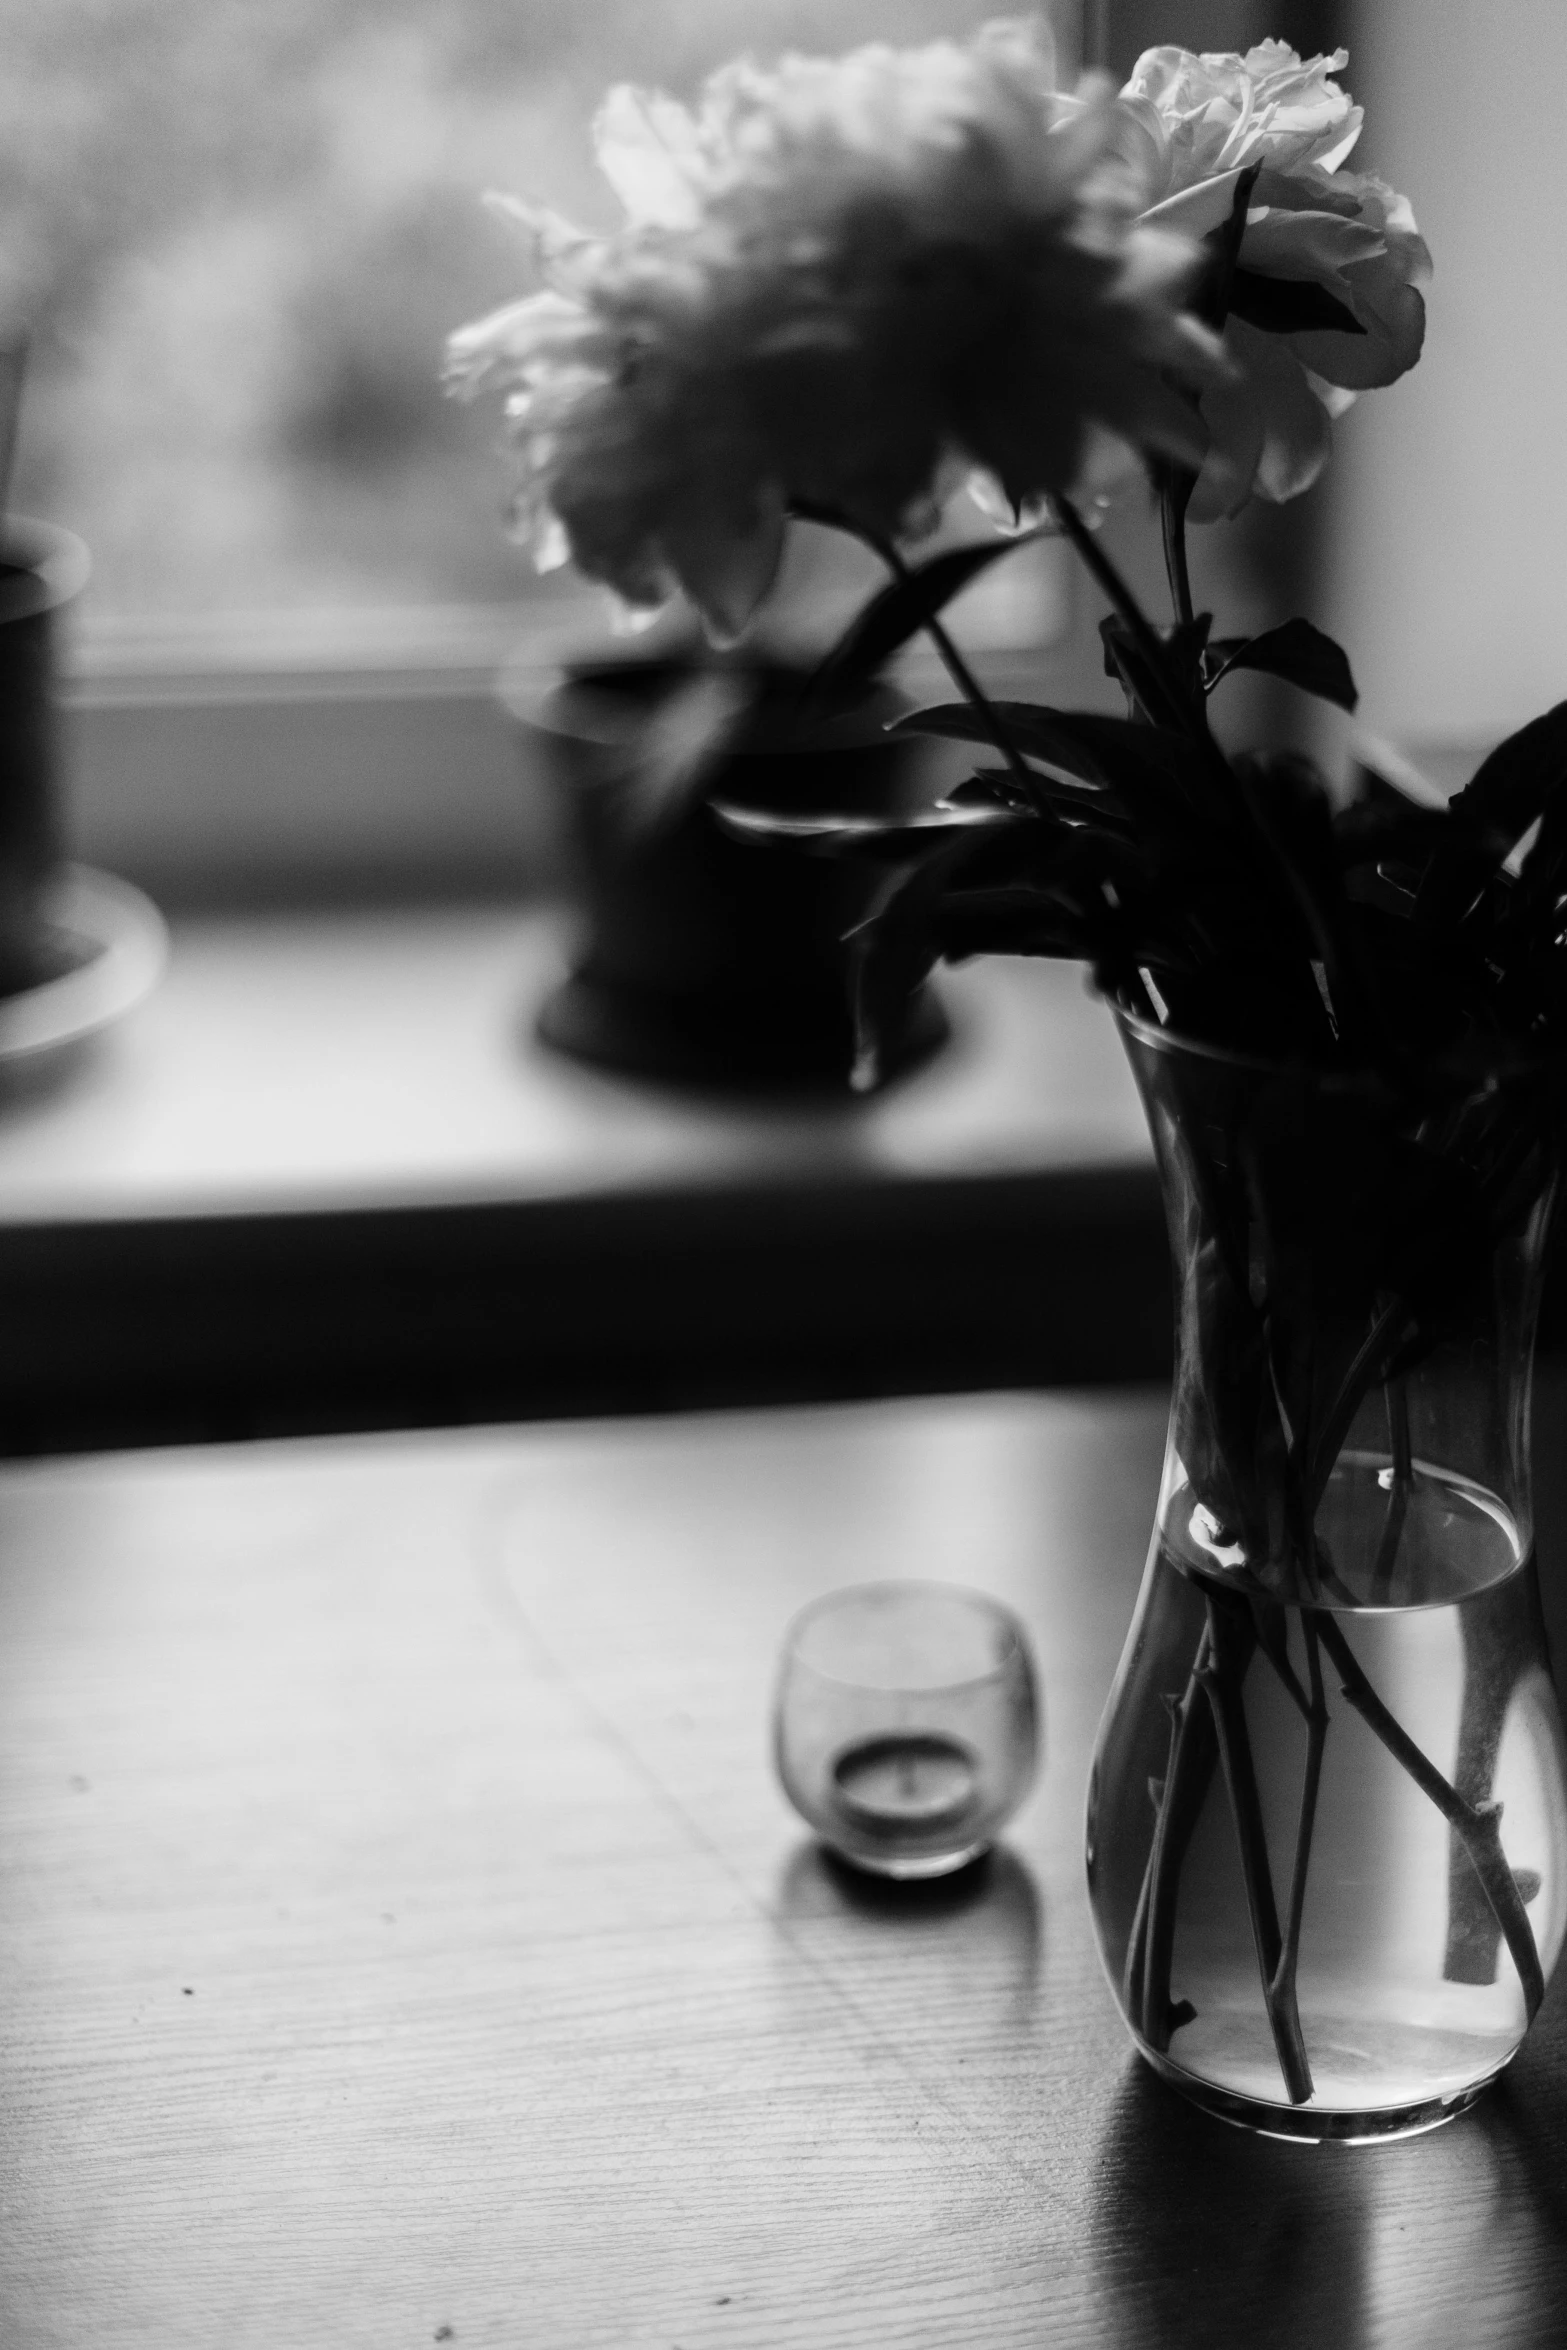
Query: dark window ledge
x,y
327,1179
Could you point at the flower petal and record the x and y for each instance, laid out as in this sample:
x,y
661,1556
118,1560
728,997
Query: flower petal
x,y
1193,211
726,565
1271,435
515,338
567,255
650,150
839,280
1306,244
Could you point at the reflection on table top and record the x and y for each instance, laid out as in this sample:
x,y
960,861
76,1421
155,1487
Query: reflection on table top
x,y
401,1929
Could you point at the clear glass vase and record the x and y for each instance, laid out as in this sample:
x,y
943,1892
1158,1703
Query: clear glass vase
x,y
1327,1819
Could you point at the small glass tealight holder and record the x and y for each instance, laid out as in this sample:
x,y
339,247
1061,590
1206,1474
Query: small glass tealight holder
x,y
905,1729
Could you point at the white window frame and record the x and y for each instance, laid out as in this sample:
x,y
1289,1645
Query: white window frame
x,y
301,757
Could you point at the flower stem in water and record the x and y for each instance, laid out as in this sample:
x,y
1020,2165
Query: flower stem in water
x,y
1478,1826
1193,1754
1221,1679
1316,1714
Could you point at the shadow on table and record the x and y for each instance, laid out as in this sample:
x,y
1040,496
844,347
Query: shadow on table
x,y
974,1938
1204,2235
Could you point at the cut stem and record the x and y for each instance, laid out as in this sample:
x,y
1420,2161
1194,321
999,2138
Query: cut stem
x,y
1179,711
1391,1330
1273,1639
1187,714
1473,1935
1398,1430
1285,1996
966,682
1221,1681
1193,1754
1175,493
1477,1826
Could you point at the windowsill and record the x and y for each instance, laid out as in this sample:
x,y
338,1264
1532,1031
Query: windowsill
x,y
303,764
327,1177
312,1063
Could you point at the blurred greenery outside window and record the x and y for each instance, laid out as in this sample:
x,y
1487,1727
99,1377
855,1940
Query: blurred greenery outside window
x,y
238,236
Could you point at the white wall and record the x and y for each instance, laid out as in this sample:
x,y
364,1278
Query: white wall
x,y
1449,563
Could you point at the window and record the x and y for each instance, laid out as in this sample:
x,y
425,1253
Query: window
x,y
239,236
244,234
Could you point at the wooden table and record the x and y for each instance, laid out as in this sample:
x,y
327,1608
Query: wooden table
x,y
402,1938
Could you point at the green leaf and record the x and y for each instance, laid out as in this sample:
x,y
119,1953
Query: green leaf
x,y
1111,773
1012,922
1061,797
985,788
1050,735
1533,903
1492,813
1395,784
1511,788
893,952
1391,827
1545,867
900,610
1079,743
889,840
1288,305
1370,829
1295,651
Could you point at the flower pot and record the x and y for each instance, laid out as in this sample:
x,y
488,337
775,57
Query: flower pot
x,y
707,959
41,569
1327,1819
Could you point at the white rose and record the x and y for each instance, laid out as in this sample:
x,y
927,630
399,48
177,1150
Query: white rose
x,y
1199,123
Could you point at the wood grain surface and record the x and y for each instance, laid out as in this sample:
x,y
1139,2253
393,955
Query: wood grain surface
x,y
403,1940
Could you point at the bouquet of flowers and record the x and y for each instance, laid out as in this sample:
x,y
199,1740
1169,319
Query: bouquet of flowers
x,y
843,291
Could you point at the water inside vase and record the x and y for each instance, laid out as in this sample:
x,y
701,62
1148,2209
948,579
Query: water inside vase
x,y
1407,1986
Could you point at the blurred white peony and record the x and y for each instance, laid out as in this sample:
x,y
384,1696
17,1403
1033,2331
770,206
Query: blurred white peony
x,y
844,282
1199,122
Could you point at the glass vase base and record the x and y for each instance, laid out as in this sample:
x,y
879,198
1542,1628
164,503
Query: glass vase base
x,y
910,1868
1311,2125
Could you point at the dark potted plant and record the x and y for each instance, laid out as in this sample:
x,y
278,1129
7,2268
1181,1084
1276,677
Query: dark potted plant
x,y
701,961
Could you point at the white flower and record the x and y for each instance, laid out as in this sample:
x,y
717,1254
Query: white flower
x,y
1200,122
837,280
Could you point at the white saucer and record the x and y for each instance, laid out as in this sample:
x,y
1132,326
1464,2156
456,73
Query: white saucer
x,y
122,945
